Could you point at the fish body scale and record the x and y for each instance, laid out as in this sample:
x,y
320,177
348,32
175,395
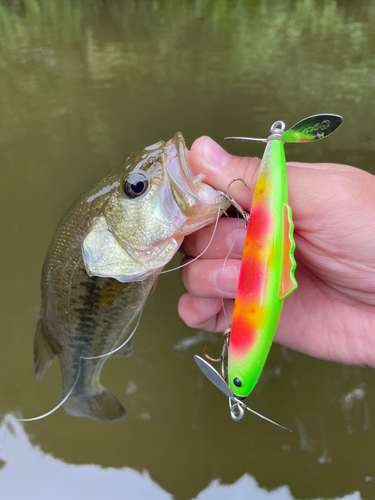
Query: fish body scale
x,y
103,264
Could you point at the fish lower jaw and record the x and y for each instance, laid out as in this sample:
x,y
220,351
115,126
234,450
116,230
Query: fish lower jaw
x,y
208,216
152,262
208,194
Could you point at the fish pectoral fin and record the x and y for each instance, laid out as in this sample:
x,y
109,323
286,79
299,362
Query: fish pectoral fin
x,y
288,281
43,351
110,295
126,350
102,406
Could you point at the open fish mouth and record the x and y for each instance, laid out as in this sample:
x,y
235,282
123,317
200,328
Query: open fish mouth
x,y
194,197
134,238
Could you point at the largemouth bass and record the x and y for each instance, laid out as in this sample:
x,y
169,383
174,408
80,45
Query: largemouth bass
x,y
104,261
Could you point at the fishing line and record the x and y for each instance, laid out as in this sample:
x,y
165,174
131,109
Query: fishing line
x,y
225,262
117,348
40,417
200,255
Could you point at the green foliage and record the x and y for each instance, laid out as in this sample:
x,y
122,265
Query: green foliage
x,y
303,49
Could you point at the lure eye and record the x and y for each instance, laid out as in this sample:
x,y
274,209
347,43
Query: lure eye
x,y
237,382
135,185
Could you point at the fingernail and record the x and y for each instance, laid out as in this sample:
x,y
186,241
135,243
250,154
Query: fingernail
x,y
226,279
235,242
215,154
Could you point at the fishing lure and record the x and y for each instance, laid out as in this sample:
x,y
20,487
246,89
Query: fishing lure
x,y
267,269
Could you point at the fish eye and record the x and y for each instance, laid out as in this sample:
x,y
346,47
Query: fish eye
x,y
134,185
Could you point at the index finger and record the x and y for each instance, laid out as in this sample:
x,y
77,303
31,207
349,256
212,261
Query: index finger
x,y
308,184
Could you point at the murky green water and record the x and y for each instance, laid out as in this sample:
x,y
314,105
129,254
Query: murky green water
x,y
82,84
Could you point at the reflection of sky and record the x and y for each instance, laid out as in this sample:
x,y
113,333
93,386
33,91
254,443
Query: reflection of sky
x,y
31,474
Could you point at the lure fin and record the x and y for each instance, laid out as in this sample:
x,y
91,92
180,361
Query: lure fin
x,y
102,406
288,282
43,351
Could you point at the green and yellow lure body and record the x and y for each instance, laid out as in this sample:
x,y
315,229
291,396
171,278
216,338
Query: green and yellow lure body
x,y
267,270
266,275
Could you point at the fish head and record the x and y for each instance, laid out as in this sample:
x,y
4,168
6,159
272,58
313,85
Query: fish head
x,y
148,204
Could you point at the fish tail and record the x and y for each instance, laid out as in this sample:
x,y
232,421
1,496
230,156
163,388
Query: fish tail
x,y
102,406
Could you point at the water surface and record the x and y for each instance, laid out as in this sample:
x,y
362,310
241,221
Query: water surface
x,y
82,83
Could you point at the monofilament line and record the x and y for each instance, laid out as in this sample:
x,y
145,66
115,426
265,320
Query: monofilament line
x,y
224,264
40,417
200,255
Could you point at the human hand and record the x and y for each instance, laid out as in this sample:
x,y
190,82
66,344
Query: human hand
x,y
331,315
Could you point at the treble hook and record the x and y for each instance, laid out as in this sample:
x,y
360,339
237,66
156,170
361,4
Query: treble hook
x,y
224,354
233,202
215,360
234,180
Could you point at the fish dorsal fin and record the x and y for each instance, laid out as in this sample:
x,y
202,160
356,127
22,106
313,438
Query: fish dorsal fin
x,y
43,351
288,282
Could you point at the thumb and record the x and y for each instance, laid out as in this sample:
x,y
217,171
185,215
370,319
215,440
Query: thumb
x,y
221,168
313,187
